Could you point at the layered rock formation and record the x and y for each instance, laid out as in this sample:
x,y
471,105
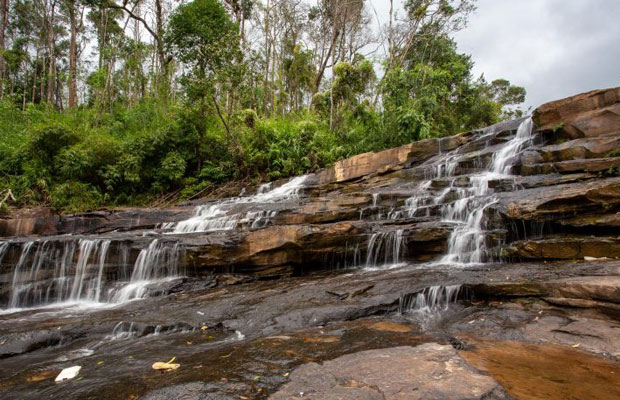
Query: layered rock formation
x,y
561,202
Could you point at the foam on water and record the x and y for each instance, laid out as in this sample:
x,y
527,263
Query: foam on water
x,y
222,217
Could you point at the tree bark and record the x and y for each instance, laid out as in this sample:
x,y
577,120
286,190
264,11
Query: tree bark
x,y
323,66
72,54
267,60
51,71
4,19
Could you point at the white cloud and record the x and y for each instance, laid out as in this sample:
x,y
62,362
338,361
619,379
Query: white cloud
x,y
554,48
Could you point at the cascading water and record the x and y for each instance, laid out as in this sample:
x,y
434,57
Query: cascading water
x,y
221,216
74,272
468,242
79,282
389,244
430,300
159,262
462,202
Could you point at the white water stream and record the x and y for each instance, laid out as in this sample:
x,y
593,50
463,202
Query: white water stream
x,y
221,216
464,206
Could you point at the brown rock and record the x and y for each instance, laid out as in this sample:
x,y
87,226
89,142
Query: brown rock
x,y
589,114
561,201
587,165
565,248
596,147
429,371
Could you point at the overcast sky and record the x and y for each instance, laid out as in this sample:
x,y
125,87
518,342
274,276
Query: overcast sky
x,y
554,48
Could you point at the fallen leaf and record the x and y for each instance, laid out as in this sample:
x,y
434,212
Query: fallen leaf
x,y
162,366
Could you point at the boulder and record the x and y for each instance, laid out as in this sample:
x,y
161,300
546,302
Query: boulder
x,y
609,165
595,113
595,147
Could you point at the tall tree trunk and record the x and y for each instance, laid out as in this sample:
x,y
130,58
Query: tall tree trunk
x,y
161,53
72,55
51,80
323,66
267,60
4,20
391,36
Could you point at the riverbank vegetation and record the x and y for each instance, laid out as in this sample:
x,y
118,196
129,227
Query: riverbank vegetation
x,y
121,102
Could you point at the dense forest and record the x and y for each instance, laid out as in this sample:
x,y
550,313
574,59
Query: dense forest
x,y
124,102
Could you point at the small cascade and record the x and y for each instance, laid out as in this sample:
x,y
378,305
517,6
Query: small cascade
x,y
460,197
66,281
222,216
156,264
385,248
430,300
123,330
468,243
54,272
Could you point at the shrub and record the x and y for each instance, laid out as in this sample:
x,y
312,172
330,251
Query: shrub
x,y
75,197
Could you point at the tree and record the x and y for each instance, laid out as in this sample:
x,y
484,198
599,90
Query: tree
x,y
203,36
433,93
509,96
75,14
426,18
4,21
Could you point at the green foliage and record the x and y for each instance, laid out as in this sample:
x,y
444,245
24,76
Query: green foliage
x,y
614,153
75,197
240,108
202,35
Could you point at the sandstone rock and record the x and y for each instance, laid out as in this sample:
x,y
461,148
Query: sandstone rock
x,y
388,160
589,114
596,147
594,335
587,165
45,224
565,248
429,371
561,201
593,221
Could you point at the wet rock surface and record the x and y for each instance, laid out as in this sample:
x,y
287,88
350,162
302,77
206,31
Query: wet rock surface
x,y
429,371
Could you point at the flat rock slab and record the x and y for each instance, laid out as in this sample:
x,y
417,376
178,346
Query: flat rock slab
x,y
429,371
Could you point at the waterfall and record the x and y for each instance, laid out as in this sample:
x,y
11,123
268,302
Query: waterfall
x,y
468,243
53,273
222,217
463,202
387,244
4,247
66,282
158,263
430,300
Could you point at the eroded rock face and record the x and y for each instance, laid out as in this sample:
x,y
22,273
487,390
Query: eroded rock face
x,y
429,371
595,113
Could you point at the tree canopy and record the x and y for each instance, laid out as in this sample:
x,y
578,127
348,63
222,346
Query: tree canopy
x,y
117,102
